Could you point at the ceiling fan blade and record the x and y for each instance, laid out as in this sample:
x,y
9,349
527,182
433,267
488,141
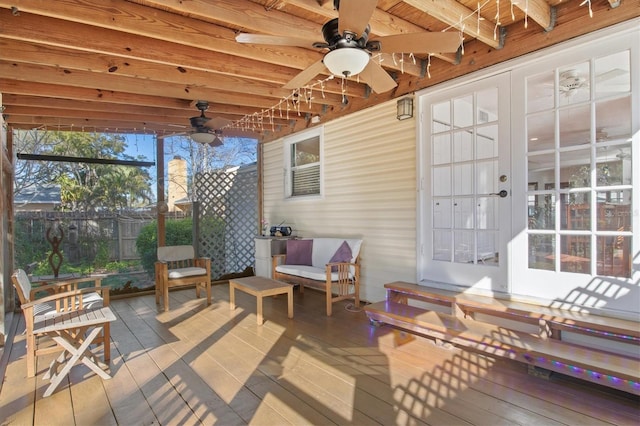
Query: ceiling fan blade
x,y
218,122
306,75
426,42
354,15
377,78
215,142
274,40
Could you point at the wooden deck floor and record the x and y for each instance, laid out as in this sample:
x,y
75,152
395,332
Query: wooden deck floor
x,y
209,365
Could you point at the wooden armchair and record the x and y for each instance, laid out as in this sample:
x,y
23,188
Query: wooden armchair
x,y
52,304
178,266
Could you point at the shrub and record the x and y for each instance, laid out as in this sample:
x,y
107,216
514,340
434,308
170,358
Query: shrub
x,y
178,232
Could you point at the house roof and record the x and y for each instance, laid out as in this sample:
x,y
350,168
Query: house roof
x,y
140,66
49,194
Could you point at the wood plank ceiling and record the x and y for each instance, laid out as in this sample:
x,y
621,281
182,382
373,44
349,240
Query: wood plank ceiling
x,y
139,66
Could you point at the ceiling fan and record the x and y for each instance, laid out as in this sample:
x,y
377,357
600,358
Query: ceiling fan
x,y
349,47
210,131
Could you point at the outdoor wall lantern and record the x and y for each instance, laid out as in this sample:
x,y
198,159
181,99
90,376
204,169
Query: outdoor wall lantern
x,y
405,108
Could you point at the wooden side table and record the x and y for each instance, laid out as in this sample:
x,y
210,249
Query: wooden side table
x,y
75,331
260,287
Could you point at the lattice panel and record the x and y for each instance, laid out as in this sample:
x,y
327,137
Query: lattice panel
x,y
227,218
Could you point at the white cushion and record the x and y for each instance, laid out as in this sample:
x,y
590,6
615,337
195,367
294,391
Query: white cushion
x,y
173,253
311,272
186,272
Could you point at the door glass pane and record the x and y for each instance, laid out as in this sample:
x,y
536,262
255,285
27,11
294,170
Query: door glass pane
x,y
487,213
540,131
575,168
463,213
487,177
441,114
574,255
441,149
575,126
573,84
464,247
613,165
442,213
576,211
613,256
614,210
462,146
487,142
613,74
442,245
441,175
463,179
542,251
487,248
487,105
613,120
463,112
540,91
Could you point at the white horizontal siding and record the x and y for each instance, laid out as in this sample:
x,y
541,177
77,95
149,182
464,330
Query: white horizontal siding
x,y
369,161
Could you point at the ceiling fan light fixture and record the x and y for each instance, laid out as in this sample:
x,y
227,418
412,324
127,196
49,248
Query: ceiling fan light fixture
x,y
203,137
346,61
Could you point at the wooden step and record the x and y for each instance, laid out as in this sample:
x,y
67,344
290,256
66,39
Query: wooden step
x,y
563,319
597,366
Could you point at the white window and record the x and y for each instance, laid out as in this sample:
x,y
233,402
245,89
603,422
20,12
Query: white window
x,y
303,160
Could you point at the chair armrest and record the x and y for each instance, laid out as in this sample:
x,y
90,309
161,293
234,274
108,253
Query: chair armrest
x,y
64,285
202,262
69,300
278,259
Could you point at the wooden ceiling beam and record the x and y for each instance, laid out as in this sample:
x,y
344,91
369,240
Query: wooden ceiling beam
x,y
149,119
451,12
63,91
540,11
70,59
76,36
106,81
50,102
145,21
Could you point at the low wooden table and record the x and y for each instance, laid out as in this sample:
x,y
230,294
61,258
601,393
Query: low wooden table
x,y
260,287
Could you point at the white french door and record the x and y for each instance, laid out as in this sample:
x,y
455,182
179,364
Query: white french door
x,y
465,173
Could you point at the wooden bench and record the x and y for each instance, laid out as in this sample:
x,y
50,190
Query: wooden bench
x,y
543,348
340,280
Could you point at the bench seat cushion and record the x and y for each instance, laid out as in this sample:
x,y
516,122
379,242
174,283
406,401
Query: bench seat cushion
x,y
310,272
186,272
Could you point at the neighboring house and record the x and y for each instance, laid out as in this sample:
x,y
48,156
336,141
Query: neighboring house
x,y
423,193
44,198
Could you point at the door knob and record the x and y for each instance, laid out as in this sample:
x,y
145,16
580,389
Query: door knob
x,y
501,194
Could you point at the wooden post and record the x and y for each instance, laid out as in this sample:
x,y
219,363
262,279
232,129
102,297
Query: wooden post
x,y
160,210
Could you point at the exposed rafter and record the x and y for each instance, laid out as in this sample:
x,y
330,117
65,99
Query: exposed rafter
x,y
140,65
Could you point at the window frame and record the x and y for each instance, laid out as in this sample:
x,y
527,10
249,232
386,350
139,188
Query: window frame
x,y
289,168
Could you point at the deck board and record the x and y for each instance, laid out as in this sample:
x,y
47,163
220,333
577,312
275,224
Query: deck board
x,y
208,365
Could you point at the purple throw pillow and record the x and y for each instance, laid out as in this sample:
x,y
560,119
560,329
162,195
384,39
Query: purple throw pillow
x,y
343,254
299,252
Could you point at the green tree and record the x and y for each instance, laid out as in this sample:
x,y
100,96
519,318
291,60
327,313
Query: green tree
x,y
84,186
